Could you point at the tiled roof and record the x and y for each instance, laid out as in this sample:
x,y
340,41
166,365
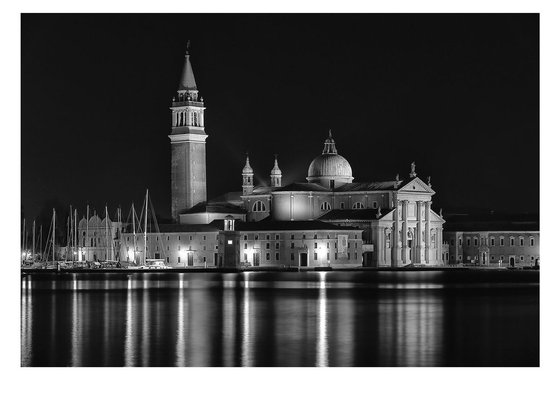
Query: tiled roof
x,y
491,222
270,225
302,187
353,214
210,207
367,186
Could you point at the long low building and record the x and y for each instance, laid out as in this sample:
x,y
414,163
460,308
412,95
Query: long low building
x,y
493,240
234,243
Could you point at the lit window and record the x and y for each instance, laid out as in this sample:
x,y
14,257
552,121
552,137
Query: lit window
x,y
229,242
325,206
358,205
259,206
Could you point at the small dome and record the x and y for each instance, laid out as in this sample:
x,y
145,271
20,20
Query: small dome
x,y
276,169
247,168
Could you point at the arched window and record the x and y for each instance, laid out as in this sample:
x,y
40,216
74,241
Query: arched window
x,y
258,206
358,205
325,206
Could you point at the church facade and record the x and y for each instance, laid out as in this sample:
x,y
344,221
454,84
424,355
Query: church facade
x,y
398,226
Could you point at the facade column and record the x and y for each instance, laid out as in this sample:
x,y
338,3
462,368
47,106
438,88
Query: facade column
x,y
395,256
427,238
419,232
439,259
405,232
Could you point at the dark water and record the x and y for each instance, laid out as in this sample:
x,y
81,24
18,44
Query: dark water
x,y
432,318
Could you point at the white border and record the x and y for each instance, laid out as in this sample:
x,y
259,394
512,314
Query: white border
x,y
508,381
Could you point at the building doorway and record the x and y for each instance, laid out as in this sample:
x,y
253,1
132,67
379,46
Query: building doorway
x,y
190,259
483,259
215,259
256,259
303,259
512,261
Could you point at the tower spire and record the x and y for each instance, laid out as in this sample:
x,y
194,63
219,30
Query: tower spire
x,y
247,174
276,174
187,82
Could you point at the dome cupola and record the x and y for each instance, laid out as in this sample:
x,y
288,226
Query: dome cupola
x,y
330,169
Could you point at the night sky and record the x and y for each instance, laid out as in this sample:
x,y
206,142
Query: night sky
x,y
457,94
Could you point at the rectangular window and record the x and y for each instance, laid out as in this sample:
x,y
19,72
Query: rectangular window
x,y
178,237
277,256
277,246
452,242
178,259
303,236
277,237
521,242
167,259
127,239
492,241
245,257
315,236
229,243
532,258
245,246
468,241
328,245
292,245
522,258
204,237
190,237
511,241
267,237
168,237
315,245
475,241
292,256
355,256
268,245
460,242
292,236
267,255
314,256
179,247
256,237
328,256
336,255
356,245
244,237
532,241
501,241
348,255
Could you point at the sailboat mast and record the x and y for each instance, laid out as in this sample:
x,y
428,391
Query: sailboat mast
x,y
75,252
33,254
134,233
106,234
146,228
87,232
54,232
41,241
23,241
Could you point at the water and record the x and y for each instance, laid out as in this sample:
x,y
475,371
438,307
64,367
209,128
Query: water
x,y
431,318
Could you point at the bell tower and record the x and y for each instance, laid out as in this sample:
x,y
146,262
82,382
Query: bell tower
x,y
188,144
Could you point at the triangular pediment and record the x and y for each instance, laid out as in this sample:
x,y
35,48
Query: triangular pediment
x,y
416,185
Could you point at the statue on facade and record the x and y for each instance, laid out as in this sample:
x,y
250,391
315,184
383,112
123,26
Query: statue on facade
x,y
429,181
412,170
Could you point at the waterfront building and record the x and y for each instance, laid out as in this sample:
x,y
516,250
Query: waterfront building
x,y
492,240
399,226
98,239
233,243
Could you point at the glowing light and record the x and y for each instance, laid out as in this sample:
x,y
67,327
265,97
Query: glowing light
x,y
230,242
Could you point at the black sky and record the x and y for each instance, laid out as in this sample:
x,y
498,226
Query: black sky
x,y
457,94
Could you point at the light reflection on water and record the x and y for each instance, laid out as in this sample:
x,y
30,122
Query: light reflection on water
x,y
279,319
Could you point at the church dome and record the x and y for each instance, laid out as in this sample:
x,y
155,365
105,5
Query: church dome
x,y
329,165
330,168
